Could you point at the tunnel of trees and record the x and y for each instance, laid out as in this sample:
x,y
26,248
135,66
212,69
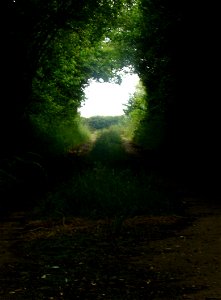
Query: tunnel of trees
x,y
49,50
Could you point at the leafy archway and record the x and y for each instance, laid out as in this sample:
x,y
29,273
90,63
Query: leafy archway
x,y
51,49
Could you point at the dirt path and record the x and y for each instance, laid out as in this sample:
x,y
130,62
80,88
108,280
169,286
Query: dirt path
x,y
156,258
85,148
167,257
10,228
191,258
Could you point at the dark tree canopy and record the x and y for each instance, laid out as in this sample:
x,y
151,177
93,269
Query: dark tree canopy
x,y
54,47
31,33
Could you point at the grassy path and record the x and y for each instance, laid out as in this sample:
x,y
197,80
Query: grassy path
x,y
115,236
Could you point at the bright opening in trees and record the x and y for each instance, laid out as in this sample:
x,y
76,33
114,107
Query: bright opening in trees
x,y
108,98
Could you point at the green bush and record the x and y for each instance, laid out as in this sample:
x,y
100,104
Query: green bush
x,y
150,133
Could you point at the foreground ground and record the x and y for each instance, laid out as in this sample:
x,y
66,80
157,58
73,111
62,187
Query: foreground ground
x,y
169,256
165,257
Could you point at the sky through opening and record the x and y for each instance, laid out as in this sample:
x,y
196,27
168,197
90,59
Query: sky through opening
x,y
108,99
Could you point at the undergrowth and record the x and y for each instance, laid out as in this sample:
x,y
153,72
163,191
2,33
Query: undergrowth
x,y
109,186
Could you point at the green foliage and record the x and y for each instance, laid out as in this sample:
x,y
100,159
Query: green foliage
x,y
56,138
51,48
101,122
146,39
59,46
136,110
72,57
143,126
125,38
150,133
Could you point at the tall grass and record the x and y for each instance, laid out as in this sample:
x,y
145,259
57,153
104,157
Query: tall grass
x,y
108,147
57,138
107,192
108,188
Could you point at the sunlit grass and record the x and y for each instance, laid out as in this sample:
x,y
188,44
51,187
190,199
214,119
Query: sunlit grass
x,y
58,138
108,147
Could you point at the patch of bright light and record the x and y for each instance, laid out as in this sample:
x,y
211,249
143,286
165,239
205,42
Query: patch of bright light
x,y
108,99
